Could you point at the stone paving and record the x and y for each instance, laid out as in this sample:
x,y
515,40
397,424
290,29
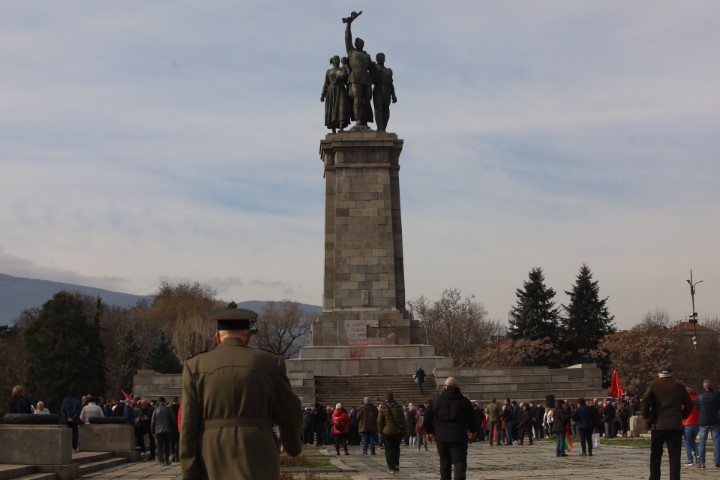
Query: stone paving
x,y
537,461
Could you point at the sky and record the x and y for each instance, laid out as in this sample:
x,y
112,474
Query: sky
x,y
177,141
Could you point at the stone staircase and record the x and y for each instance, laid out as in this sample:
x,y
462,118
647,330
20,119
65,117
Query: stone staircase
x,y
351,389
87,462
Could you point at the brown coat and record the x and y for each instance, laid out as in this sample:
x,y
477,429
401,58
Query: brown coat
x,y
367,418
391,419
665,398
232,395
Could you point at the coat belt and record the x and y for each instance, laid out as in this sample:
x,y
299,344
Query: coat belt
x,y
237,422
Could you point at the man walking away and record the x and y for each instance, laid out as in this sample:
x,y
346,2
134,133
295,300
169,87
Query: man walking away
x,y
664,405
708,404
493,417
163,425
391,423
368,426
453,416
232,397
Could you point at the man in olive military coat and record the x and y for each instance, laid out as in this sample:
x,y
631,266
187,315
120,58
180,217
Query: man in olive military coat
x,y
232,396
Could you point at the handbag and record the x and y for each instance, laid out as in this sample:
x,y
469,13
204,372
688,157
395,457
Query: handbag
x,y
596,440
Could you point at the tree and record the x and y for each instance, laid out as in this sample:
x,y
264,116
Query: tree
x,y
534,317
283,328
129,360
586,319
64,350
180,310
161,356
457,327
636,354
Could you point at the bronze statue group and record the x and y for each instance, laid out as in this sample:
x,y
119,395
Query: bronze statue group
x,y
352,82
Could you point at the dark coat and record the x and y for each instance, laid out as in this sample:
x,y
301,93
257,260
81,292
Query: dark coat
x,y
453,416
420,375
586,417
163,420
232,396
669,403
70,407
560,420
708,405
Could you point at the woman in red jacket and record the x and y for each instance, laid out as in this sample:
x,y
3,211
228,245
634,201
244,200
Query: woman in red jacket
x,y
340,427
692,427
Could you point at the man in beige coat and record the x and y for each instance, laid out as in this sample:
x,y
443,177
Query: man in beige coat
x,y
232,396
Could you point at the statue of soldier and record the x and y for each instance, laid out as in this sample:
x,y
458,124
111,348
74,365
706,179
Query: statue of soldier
x,y
359,81
383,94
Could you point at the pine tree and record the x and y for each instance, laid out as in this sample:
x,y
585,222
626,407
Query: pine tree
x,y
161,356
65,352
129,360
587,320
534,317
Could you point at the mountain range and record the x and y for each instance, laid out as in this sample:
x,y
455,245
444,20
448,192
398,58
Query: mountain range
x,y
18,294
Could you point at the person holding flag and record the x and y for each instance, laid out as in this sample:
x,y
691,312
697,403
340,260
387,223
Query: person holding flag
x,y
560,422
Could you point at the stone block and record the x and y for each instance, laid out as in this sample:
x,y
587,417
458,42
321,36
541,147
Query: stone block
x,y
107,437
35,444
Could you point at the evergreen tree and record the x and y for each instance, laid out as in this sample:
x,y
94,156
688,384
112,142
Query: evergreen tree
x,y
161,356
534,317
129,360
587,320
64,350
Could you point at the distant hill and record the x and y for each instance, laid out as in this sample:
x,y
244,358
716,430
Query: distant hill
x,y
18,294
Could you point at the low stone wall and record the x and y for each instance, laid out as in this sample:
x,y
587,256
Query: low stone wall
x,y
526,383
118,439
35,444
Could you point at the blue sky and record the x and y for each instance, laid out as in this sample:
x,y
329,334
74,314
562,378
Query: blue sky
x,y
178,140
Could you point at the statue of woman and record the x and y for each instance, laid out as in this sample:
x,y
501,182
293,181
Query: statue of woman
x,y
334,94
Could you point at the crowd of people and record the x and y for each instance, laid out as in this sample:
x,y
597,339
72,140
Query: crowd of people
x,y
450,420
156,422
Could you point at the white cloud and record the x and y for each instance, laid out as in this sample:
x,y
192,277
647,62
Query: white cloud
x,y
149,141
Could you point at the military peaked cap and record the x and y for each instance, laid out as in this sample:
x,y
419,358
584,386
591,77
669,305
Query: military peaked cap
x,y
233,318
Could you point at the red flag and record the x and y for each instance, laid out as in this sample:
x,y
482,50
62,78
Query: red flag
x,y
616,388
568,440
127,397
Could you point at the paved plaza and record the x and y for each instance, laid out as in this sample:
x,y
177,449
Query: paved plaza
x,y
609,462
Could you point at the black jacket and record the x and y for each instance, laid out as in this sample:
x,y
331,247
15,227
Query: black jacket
x,y
453,416
708,404
585,417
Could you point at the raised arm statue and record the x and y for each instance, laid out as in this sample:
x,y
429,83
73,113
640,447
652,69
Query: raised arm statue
x,y
359,81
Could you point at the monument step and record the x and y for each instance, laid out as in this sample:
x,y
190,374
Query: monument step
x,y
350,390
83,458
20,471
92,467
34,476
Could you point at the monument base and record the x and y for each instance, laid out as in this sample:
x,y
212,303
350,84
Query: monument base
x,y
379,361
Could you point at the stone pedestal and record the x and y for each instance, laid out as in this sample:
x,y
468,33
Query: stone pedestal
x,y
364,283
364,328
35,444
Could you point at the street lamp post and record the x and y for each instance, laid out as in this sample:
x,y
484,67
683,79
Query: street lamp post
x,y
693,315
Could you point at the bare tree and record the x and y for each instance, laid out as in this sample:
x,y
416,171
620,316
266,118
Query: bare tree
x,y
457,327
283,328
